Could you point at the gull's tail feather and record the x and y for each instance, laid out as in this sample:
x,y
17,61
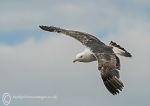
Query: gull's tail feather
x,y
112,82
119,50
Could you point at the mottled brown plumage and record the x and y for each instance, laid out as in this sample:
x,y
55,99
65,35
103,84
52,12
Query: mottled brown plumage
x,y
108,62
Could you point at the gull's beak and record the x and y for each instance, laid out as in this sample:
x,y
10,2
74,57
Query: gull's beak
x,y
76,60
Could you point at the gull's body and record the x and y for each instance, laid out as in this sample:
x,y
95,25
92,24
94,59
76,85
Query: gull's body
x,y
88,56
108,62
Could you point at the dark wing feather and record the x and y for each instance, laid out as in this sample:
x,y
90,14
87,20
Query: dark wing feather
x,y
85,38
117,63
107,64
124,52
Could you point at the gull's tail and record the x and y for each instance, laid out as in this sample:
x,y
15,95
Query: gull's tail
x,y
119,50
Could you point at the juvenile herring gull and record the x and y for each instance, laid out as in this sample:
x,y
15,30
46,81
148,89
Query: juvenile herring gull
x,y
106,55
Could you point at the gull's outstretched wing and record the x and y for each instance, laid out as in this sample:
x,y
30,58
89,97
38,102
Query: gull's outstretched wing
x,y
85,38
119,50
108,65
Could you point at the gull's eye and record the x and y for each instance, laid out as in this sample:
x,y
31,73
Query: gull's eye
x,y
81,56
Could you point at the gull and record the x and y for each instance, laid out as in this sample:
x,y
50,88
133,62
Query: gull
x,y
105,55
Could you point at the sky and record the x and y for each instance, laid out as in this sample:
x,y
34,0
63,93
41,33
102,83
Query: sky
x,y
38,63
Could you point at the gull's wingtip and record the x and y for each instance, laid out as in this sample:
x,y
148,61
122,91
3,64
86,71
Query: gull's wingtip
x,y
129,55
46,28
42,26
50,28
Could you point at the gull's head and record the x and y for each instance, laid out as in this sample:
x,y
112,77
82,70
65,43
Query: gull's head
x,y
80,57
85,56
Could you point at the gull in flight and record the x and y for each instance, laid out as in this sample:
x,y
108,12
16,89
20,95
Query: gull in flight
x,y
105,55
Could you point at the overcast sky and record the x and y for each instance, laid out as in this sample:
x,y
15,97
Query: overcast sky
x,y
38,63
